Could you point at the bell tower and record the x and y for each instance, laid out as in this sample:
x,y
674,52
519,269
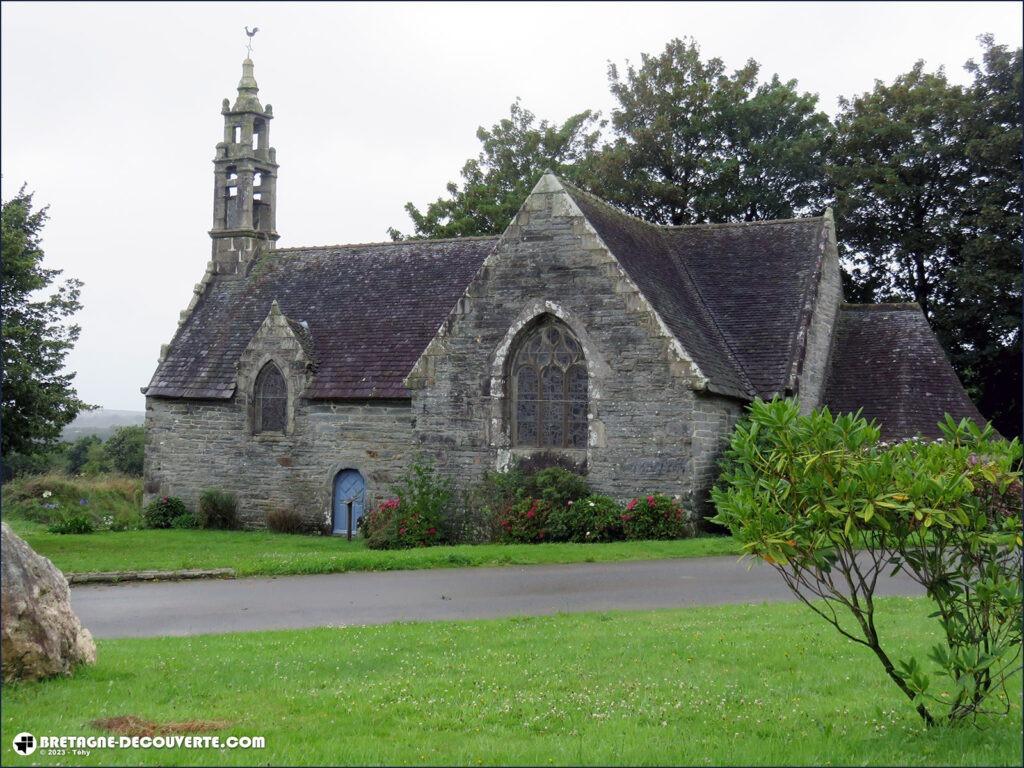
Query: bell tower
x,y
245,180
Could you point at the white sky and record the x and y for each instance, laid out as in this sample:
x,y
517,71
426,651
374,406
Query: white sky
x,y
111,112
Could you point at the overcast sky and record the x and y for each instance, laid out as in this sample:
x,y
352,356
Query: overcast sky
x,y
110,113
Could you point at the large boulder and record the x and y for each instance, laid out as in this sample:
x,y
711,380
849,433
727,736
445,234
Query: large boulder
x,y
41,636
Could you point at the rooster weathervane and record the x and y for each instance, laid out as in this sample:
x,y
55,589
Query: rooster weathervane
x,y
248,47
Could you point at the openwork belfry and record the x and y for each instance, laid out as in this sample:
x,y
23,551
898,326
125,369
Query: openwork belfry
x,y
628,349
271,400
550,389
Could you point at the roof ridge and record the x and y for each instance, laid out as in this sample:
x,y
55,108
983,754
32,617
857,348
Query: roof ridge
x,y
385,242
676,227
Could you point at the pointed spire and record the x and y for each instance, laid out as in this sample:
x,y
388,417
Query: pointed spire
x,y
247,90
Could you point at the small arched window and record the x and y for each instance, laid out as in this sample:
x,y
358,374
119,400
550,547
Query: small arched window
x,y
271,395
549,389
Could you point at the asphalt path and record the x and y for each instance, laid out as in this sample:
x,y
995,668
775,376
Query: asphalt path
x,y
143,609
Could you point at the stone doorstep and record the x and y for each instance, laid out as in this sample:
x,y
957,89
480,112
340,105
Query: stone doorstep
x,y
116,577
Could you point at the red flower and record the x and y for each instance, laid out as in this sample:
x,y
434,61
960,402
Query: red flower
x,y
631,505
401,531
650,501
431,531
626,518
530,513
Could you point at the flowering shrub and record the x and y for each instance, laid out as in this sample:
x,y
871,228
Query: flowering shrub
x,y
556,486
593,518
655,517
394,524
161,512
525,522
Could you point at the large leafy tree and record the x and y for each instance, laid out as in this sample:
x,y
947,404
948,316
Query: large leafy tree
x,y
694,143
928,182
38,396
515,152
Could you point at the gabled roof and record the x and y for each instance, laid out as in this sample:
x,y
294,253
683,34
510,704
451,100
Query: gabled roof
x,y
887,361
366,313
732,293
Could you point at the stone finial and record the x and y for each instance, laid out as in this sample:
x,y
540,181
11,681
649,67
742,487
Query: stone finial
x,y
247,89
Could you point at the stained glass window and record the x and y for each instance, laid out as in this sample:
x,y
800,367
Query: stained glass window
x,y
549,376
271,400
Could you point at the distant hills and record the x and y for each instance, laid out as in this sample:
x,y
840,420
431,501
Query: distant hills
x,y
102,422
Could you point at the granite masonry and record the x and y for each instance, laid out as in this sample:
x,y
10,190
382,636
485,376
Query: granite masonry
x,y
299,374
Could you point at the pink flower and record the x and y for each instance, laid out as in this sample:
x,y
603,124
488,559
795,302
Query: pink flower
x,y
530,513
626,518
650,501
631,506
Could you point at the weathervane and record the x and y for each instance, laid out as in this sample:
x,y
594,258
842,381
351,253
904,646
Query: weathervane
x,y
248,47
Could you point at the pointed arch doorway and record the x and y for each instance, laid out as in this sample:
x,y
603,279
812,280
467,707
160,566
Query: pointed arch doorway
x,y
349,500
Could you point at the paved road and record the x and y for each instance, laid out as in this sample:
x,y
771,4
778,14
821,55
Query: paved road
x,y
196,607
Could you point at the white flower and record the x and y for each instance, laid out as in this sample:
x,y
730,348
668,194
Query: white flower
x,y
47,494
591,503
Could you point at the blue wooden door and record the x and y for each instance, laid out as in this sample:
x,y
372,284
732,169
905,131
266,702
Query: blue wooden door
x,y
348,488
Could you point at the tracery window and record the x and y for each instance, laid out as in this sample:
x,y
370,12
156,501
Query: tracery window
x,y
271,392
549,389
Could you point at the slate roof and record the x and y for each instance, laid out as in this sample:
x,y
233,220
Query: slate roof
x,y
733,294
370,310
887,361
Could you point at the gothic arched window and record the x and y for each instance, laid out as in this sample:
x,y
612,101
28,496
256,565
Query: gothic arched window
x,y
549,389
271,396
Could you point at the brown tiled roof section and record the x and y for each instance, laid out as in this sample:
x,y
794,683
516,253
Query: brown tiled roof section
x,y
732,293
364,313
887,361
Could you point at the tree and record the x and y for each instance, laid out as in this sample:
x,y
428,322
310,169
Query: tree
x,y
928,195
38,397
516,151
78,453
695,144
126,448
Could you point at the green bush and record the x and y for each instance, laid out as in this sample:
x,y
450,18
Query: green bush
x,y
556,486
832,510
655,517
591,519
163,511
391,525
73,523
525,522
475,519
414,517
218,510
184,521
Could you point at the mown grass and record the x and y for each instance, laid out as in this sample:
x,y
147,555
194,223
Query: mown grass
x,y
253,553
749,685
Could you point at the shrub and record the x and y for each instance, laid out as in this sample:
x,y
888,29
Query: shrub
x,y
594,518
391,525
556,486
831,509
525,522
655,517
483,504
218,510
161,512
185,521
413,518
73,523
289,521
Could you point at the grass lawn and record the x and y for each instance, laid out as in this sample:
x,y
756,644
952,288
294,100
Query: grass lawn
x,y
762,684
252,553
